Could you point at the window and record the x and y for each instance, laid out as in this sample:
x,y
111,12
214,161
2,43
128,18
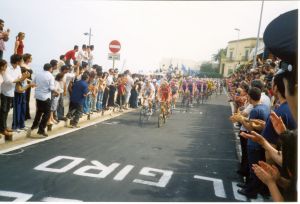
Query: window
x,y
230,55
246,54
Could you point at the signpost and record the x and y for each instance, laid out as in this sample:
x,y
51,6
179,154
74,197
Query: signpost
x,y
112,56
114,47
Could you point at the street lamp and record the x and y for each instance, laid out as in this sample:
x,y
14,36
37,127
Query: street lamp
x,y
255,53
237,44
90,35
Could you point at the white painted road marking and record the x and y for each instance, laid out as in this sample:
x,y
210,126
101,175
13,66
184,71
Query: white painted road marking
x,y
123,173
20,197
103,170
52,199
44,166
218,185
163,181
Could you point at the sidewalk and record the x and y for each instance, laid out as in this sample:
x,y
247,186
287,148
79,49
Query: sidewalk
x,y
26,138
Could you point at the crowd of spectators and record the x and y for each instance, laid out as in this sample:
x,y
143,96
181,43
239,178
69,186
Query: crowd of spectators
x,y
264,98
265,110
72,81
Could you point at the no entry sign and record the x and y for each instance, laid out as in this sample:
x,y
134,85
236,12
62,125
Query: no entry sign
x,y
114,46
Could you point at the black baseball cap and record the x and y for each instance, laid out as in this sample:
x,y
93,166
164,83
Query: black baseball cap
x,y
281,38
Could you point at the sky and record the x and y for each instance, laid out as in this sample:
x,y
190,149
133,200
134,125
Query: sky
x,y
147,30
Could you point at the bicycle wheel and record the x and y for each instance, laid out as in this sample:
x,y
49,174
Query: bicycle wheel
x,y
182,103
164,118
141,116
160,120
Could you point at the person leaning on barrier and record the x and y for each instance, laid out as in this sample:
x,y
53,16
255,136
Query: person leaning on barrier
x,y
80,91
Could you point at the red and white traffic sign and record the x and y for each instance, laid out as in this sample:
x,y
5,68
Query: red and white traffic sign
x,y
114,46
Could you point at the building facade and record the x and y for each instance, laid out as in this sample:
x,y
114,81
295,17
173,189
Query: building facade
x,y
238,52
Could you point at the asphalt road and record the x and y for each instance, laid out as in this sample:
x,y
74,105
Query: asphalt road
x,y
191,158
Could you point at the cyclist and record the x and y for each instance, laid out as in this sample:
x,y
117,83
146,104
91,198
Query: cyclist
x,y
148,93
156,86
183,85
164,93
190,86
174,88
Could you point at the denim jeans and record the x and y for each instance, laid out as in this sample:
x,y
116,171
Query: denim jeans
x,y
19,111
87,104
99,100
93,102
60,107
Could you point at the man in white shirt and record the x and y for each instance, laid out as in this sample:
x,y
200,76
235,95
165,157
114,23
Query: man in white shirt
x,y
90,55
83,55
11,76
44,85
112,86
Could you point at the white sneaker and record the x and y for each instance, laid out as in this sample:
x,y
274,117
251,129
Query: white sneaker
x,y
24,129
16,130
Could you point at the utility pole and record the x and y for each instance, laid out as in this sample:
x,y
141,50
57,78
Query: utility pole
x,y
237,46
257,40
90,36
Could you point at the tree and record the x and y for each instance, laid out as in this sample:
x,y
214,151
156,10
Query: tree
x,y
220,54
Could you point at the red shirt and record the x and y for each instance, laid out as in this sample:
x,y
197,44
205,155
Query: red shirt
x,y
70,55
20,47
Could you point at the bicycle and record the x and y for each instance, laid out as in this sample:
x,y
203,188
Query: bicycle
x,y
201,97
144,112
163,113
186,101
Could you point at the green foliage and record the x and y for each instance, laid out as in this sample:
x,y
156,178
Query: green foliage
x,y
207,67
210,75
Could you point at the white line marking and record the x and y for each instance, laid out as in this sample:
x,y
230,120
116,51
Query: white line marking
x,y
20,197
163,181
52,199
218,185
8,154
123,173
44,166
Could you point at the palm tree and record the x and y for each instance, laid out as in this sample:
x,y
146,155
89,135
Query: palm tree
x,y
220,54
